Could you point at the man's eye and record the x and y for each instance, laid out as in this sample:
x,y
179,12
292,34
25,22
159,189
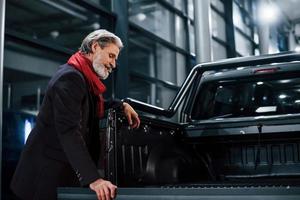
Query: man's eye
x,y
111,55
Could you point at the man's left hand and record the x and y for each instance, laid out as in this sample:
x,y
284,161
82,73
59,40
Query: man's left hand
x,y
131,115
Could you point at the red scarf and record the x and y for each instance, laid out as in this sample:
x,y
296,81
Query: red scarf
x,y
84,65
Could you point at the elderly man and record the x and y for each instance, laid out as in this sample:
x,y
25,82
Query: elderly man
x,y
63,147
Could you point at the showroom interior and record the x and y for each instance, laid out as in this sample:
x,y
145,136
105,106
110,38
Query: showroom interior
x,y
163,41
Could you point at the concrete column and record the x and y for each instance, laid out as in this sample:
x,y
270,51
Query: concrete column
x,y
121,76
2,26
202,30
264,38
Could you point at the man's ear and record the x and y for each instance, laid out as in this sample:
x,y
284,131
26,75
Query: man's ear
x,y
94,46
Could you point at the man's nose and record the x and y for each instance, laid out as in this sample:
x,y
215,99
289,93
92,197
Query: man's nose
x,y
113,64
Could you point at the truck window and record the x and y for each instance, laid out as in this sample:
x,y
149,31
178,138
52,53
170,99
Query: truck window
x,y
248,98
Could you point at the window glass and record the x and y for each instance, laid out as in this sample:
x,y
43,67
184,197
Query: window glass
x,y
150,63
242,44
218,51
181,68
141,57
248,6
218,4
166,64
140,89
152,92
104,3
164,96
60,23
240,21
158,20
153,16
274,41
28,75
192,38
251,98
180,32
179,4
191,9
218,26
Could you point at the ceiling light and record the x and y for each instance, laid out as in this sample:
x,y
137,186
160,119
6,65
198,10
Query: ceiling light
x,y
297,49
285,81
268,13
282,96
96,25
54,34
141,16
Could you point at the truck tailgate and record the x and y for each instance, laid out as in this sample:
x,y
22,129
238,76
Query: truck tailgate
x,y
211,193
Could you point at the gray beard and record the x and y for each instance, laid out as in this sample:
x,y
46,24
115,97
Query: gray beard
x,y
100,71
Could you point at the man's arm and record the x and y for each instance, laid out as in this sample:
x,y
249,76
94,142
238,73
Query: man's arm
x,y
67,96
130,113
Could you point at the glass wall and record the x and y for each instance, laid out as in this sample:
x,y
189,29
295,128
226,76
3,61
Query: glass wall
x,y
161,44
244,27
218,30
159,20
247,21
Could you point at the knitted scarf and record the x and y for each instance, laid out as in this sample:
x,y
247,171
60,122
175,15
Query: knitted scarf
x,y
84,65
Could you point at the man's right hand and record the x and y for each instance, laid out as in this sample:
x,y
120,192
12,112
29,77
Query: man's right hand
x,y
105,190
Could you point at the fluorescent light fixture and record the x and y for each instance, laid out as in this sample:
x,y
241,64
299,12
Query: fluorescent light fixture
x,y
282,96
265,109
285,81
260,83
268,13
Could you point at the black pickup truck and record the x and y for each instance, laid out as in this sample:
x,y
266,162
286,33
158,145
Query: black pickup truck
x,y
238,136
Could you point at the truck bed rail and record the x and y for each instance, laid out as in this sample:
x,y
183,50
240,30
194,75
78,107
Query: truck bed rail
x,y
212,193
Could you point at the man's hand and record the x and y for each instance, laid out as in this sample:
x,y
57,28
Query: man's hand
x,y
131,115
105,190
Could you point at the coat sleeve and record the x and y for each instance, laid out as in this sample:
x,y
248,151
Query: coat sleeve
x,y
113,103
68,94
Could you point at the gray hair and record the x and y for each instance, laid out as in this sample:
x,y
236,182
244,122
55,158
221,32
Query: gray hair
x,y
103,37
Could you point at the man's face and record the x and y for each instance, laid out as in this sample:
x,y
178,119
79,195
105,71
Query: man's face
x,y
104,60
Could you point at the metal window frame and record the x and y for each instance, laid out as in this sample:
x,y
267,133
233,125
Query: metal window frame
x,y
156,81
246,14
92,7
2,27
146,33
170,46
173,9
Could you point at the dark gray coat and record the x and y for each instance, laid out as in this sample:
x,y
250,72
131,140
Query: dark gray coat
x,y
62,148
